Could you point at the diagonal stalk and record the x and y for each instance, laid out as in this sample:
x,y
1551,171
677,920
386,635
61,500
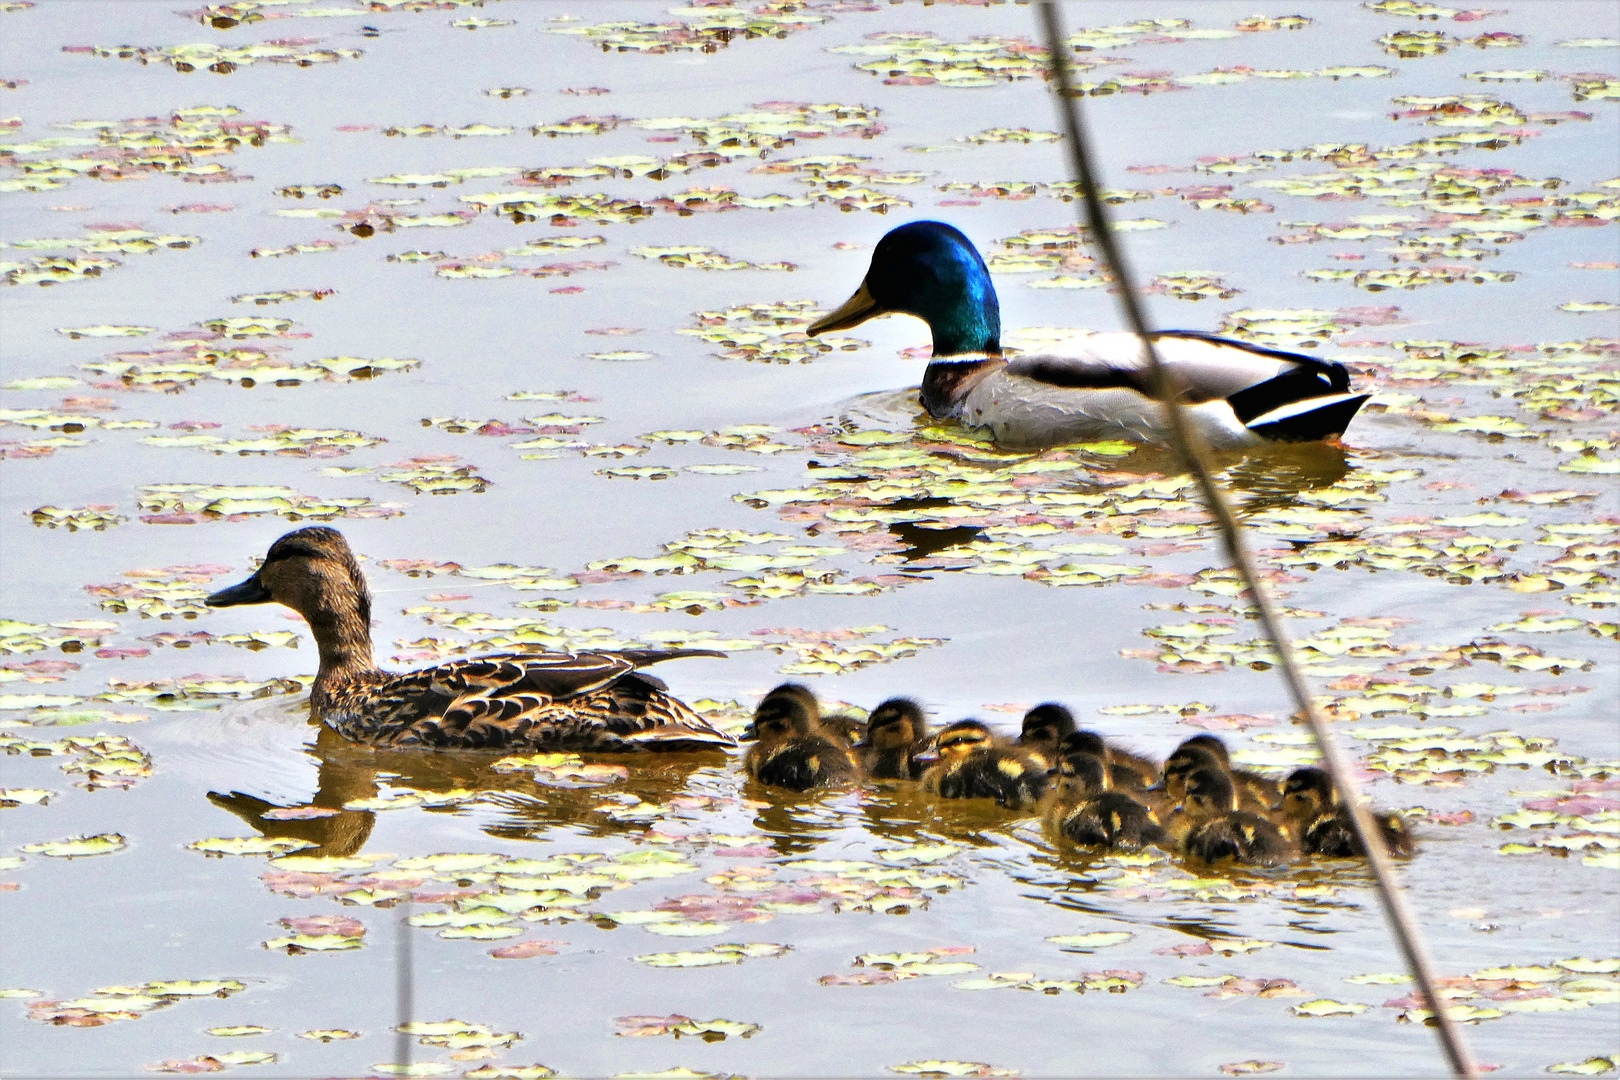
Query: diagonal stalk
x,y
1189,445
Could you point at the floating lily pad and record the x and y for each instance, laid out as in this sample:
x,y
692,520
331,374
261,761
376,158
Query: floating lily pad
x,y
75,847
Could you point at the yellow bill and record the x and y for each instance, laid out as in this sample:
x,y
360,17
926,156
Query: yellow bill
x,y
856,310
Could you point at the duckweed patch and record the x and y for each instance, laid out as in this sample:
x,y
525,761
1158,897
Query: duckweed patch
x,y
114,1003
1466,499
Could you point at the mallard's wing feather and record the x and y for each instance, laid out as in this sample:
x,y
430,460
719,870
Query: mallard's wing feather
x,y
1208,367
560,675
561,700
1090,383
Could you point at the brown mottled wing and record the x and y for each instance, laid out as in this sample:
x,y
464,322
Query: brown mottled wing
x,y
583,701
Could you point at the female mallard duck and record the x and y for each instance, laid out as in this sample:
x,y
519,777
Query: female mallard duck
x,y
1312,810
1255,792
794,751
1089,387
1210,826
894,732
582,701
1125,769
1082,808
974,765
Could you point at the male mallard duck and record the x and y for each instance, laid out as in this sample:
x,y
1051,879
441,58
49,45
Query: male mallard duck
x,y
1211,827
1090,387
1082,808
974,765
794,751
1255,792
894,732
1312,809
583,701
1125,769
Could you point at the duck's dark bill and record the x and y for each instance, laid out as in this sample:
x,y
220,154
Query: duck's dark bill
x,y
856,310
251,591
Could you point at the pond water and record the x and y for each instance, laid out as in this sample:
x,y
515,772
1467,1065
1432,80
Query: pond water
x,y
496,290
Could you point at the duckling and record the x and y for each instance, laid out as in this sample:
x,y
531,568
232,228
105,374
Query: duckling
x,y
1081,808
561,700
974,765
1087,387
794,751
843,725
1311,808
1125,769
797,692
1258,793
894,732
851,729
1044,728
1211,827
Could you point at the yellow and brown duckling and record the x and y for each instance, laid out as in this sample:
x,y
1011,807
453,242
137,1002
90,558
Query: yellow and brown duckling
x,y
1125,769
974,764
1312,810
849,728
1082,808
1256,793
1044,728
793,750
895,732
1210,826
579,701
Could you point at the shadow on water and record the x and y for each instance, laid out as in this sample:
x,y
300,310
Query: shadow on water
x,y
1265,478
1270,477
1276,478
1077,879
924,540
348,773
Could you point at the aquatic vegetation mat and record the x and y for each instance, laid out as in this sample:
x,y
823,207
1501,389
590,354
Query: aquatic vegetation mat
x,y
537,343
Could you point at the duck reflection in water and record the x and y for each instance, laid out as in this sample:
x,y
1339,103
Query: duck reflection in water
x,y
1271,478
349,773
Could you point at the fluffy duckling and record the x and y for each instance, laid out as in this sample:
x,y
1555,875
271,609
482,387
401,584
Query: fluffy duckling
x,y
1257,793
793,750
792,691
894,732
845,726
1125,769
1211,826
1044,729
573,701
1081,808
1311,808
974,765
